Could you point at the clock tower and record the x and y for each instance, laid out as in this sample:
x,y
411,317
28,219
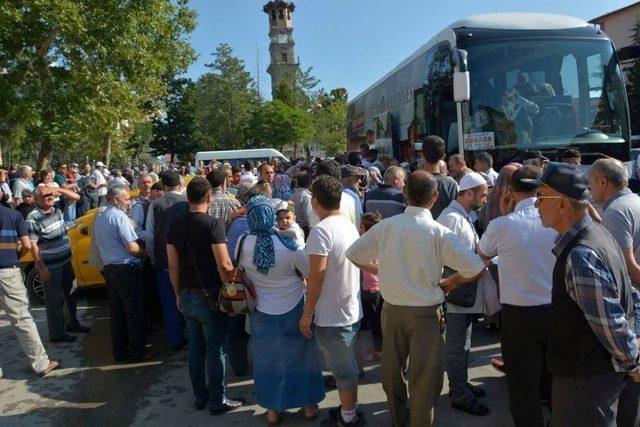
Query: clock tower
x,y
283,63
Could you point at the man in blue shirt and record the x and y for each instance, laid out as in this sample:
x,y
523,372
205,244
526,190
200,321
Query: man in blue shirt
x,y
13,294
116,238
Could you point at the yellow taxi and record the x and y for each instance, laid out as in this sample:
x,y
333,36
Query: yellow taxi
x,y
80,238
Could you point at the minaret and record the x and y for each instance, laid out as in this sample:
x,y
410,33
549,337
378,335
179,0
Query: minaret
x,y
283,64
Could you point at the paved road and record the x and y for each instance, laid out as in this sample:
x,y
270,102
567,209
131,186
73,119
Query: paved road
x,y
91,390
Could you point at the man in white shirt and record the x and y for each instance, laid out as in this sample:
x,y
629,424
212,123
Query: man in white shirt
x,y
101,183
484,163
333,296
525,269
412,250
23,182
347,203
472,195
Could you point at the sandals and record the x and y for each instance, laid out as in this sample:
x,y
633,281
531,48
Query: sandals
x,y
271,421
498,365
53,364
313,415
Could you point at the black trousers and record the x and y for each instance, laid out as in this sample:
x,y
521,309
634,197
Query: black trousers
x,y
126,302
525,337
236,346
372,311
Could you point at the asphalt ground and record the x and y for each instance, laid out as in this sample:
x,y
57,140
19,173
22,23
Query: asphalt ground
x,y
91,390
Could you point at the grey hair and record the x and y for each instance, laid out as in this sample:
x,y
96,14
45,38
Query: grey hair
x,y
115,192
458,159
23,170
394,172
611,169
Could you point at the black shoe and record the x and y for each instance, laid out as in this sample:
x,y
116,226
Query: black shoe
x,y
476,391
228,405
335,412
146,357
64,338
78,328
178,347
472,408
339,422
199,405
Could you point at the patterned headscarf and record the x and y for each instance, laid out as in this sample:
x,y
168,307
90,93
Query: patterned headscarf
x,y
261,217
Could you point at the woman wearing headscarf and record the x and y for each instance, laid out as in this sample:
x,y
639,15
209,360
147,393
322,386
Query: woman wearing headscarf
x,y
286,365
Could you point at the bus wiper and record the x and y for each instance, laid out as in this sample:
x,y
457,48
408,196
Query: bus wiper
x,y
588,131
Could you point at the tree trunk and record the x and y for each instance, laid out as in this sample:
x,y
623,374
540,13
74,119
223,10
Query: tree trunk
x,y
295,149
44,155
106,154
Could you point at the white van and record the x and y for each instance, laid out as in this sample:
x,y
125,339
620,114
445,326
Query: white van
x,y
237,157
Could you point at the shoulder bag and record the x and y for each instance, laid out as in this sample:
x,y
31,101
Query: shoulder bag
x,y
237,295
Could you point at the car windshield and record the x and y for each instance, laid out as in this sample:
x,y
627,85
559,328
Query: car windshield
x,y
528,93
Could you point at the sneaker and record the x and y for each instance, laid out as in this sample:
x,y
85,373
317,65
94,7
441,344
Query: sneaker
x,y
472,408
358,421
335,412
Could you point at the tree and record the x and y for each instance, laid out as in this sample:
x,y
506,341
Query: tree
x,y
224,100
78,70
174,131
276,124
329,118
633,84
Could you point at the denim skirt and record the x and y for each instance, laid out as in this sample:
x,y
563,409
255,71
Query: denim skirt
x,y
286,365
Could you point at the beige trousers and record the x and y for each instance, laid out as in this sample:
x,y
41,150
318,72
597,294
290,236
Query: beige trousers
x,y
14,301
413,352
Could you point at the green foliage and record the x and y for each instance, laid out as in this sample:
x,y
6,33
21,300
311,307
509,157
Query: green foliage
x,y
81,73
276,124
174,131
329,118
224,100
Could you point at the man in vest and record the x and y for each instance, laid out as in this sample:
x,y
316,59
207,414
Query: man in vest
x,y
162,213
592,347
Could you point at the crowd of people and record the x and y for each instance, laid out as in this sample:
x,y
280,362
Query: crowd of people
x,y
330,248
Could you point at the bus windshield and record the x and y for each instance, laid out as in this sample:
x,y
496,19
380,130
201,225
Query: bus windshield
x,y
543,93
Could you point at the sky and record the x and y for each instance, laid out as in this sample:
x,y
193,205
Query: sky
x,y
351,43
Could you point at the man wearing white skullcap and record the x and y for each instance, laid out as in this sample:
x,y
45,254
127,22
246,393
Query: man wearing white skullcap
x,y
466,300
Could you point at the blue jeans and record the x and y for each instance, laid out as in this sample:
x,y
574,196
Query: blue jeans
x,y
70,214
207,331
337,346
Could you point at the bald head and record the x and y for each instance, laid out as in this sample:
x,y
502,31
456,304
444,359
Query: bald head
x,y
421,189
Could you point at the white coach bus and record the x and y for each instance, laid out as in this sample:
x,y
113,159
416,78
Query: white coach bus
x,y
503,83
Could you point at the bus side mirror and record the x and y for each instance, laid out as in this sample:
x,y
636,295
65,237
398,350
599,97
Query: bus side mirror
x,y
461,86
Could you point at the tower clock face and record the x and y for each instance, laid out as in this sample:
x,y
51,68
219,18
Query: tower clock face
x,y
282,38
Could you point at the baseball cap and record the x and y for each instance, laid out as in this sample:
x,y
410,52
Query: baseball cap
x,y
349,171
99,164
566,179
471,180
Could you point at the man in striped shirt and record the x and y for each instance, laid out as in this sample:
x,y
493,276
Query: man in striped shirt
x,y
51,250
